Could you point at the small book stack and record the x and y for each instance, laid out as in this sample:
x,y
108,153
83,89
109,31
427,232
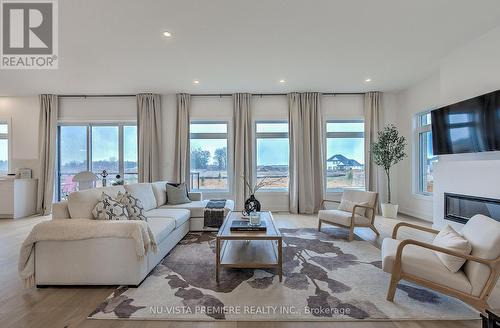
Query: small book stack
x,y
241,225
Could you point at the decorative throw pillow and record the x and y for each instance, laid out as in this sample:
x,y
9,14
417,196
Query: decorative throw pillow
x,y
133,204
452,240
177,194
175,185
347,205
109,209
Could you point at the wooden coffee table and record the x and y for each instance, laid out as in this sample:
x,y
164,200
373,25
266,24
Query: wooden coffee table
x,y
249,249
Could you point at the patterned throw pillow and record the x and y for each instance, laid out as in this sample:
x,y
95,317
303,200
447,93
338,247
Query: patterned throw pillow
x,y
133,204
109,209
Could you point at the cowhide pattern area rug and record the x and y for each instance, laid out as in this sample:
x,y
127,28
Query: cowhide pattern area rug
x,y
325,278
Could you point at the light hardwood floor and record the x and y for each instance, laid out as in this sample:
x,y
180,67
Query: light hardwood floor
x,y
69,307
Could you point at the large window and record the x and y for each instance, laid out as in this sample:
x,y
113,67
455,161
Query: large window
x,y
209,160
272,149
4,147
94,147
345,155
425,156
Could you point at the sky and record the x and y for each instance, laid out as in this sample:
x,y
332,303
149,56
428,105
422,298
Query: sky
x,y
4,150
104,143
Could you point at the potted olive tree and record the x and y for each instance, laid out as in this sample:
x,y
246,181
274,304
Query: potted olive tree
x,y
388,150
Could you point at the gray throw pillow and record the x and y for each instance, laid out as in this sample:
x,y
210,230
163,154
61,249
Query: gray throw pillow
x,y
177,194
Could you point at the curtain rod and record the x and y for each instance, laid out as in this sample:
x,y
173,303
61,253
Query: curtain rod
x,y
206,95
273,94
96,96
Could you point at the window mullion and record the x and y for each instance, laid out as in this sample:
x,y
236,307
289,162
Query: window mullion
x,y
121,145
89,147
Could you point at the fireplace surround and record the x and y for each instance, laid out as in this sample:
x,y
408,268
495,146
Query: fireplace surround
x,y
460,208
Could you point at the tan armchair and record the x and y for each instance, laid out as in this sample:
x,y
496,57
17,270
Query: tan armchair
x,y
366,200
416,261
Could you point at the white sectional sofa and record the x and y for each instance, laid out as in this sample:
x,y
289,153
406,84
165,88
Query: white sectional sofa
x,y
113,261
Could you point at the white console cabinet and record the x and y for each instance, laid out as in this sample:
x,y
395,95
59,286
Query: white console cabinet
x,y
17,197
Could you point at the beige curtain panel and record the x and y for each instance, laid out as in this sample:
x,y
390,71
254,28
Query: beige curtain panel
x,y
181,160
149,136
306,152
242,147
373,119
49,111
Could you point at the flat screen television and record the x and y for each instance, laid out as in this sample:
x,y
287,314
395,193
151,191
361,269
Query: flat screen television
x,y
468,126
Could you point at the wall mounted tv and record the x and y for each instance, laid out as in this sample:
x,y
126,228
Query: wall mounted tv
x,y
469,126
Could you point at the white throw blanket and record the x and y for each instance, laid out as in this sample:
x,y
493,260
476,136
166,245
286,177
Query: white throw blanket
x,y
79,229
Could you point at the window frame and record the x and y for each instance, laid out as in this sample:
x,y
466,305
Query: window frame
x,y
419,153
228,152
270,135
339,135
7,136
88,126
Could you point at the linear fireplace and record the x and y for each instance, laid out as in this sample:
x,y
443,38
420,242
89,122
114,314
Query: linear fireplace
x,y
460,208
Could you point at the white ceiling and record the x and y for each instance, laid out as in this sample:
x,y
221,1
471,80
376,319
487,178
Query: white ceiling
x,y
232,45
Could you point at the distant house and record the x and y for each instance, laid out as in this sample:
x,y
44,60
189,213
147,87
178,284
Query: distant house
x,y
341,163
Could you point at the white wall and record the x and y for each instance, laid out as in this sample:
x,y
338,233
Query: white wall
x,y
421,97
472,69
123,109
23,113
469,71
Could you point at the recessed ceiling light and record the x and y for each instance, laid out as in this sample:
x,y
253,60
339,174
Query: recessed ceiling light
x,y
167,34
282,81
368,80
196,81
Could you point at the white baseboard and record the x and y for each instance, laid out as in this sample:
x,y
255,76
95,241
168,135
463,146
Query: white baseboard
x,y
417,215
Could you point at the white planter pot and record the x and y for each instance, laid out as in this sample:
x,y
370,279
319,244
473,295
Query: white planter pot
x,y
389,210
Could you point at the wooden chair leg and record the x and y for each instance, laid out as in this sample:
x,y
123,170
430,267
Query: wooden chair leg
x,y
392,288
319,226
351,233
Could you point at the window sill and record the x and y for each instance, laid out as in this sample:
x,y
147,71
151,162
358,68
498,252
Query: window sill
x,y
211,191
265,191
427,197
340,191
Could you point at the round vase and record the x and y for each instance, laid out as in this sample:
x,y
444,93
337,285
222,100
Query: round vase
x,y
252,205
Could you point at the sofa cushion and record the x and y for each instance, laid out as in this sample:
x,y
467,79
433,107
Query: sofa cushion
x,y
483,233
450,239
347,205
360,196
423,263
160,191
179,215
341,217
197,207
143,191
177,194
81,203
161,227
